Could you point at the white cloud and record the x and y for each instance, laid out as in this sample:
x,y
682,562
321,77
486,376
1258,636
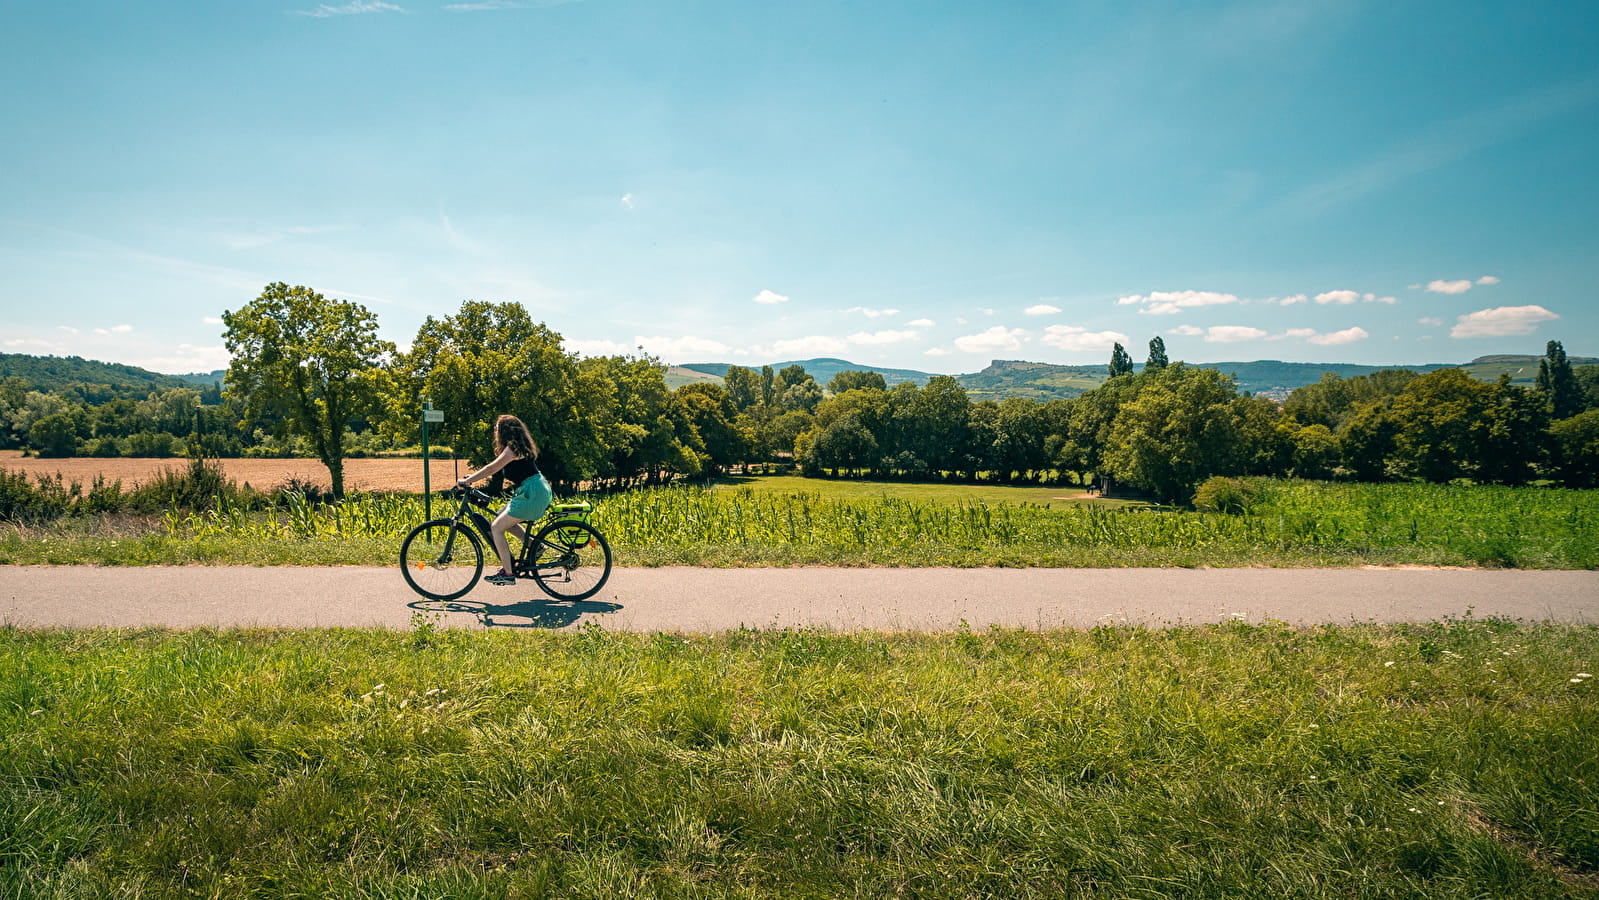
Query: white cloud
x,y
188,358
1297,333
994,339
1187,331
883,337
1342,298
31,342
1449,287
68,329
872,313
936,351
1165,303
114,329
1347,336
986,312
1042,309
1388,300
681,348
356,8
1429,321
1289,301
1487,279
1501,321
921,323
1072,337
212,320
598,348
770,299
1232,334
627,199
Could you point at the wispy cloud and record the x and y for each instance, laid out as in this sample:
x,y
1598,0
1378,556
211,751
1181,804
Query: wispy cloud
x,y
1487,279
1042,309
357,8
1166,303
769,298
1501,321
872,313
882,337
1073,337
1449,287
921,323
1232,334
1347,336
993,340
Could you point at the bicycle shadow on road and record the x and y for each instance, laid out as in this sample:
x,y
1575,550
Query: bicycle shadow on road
x,y
537,613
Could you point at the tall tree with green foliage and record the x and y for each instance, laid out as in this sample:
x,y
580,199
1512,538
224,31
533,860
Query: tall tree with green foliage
x,y
1157,354
491,359
312,361
848,381
1120,362
1178,431
1558,383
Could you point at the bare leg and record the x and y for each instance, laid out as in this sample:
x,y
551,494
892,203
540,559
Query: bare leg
x,y
502,523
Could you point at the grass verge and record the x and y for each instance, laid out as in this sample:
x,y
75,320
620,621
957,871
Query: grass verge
x,y
1438,761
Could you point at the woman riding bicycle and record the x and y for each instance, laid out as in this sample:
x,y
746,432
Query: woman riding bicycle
x,y
516,461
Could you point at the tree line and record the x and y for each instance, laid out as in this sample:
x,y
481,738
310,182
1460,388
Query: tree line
x,y
310,373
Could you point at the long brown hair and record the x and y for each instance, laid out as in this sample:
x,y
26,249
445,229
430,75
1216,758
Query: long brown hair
x,y
510,432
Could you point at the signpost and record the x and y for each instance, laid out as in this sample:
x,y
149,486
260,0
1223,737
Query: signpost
x,y
429,414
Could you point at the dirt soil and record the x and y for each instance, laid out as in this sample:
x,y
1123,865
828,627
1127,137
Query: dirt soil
x,y
262,474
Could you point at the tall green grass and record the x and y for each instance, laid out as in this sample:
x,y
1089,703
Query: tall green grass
x,y
1289,523
1453,760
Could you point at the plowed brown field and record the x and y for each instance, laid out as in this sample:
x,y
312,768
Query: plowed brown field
x,y
262,474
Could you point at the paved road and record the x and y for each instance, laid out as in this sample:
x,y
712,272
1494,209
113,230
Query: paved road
x,y
685,599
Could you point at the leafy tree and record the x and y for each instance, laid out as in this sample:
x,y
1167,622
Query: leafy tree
x,y
1157,354
848,381
491,359
1576,449
743,388
1441,418
846,443
1588,379
54,435
939,433
1017,449
709,410
1120,362
314,361
801,396
1558,384
1513,438
1265,439
1178,431
1315,453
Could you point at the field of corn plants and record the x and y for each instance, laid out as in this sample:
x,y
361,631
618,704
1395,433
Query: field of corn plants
x,y
1290,523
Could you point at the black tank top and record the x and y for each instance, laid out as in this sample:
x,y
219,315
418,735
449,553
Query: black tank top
x,y
519,470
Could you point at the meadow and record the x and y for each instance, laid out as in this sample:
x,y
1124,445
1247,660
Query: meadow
x,y
786,521
1452,760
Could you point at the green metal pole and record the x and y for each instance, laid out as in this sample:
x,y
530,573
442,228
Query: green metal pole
x,y
427,470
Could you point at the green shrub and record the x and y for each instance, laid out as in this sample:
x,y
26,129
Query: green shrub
x,y
1225,495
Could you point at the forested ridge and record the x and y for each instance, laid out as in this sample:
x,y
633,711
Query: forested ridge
x,y
310,378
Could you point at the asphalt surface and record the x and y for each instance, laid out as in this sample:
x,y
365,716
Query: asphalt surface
x,y
708,600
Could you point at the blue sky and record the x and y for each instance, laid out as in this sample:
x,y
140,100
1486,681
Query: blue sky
x,y
915,185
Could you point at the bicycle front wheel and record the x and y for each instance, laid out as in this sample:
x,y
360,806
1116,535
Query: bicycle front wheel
x,y
442,559
570,560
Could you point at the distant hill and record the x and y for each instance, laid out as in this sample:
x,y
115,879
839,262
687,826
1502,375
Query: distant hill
x,y
56,373
822,370
1045,381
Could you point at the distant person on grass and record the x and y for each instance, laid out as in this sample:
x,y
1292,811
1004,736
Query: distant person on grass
x,y
517,462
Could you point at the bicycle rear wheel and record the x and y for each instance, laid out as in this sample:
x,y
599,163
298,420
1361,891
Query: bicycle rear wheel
x,y
442,559
570,560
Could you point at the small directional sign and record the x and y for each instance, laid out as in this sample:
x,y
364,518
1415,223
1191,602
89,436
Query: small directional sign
x,y
432,415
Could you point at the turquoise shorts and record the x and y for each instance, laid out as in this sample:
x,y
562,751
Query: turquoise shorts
x,y
531,499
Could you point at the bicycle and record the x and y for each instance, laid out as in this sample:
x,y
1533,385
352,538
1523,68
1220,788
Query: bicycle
x,y
568,557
